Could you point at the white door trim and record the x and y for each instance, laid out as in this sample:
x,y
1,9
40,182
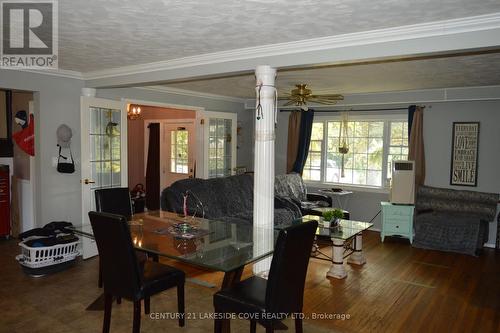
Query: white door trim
x,y
162,105
199,127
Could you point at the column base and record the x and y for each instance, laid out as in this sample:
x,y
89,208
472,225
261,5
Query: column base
x,y
337,271
357,258
314,249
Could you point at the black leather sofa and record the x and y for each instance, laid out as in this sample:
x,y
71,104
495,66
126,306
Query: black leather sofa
x,y
231,198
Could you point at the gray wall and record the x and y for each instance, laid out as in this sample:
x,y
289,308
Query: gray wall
x,y
438,119
246,139
57,101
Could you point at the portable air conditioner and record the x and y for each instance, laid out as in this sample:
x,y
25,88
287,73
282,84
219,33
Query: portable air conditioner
x,y
403,182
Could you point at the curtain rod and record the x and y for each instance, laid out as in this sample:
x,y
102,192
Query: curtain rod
x,y
349,110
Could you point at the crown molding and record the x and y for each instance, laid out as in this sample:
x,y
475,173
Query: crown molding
x,y
408,32
191,93
406,97
52,72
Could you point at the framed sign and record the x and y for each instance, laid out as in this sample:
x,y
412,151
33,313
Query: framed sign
x,y
464,153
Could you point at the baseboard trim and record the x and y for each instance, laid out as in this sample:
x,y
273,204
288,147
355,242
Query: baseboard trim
x,y
488,245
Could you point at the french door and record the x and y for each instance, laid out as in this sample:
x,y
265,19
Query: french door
x,y
103,154
220,144
178,149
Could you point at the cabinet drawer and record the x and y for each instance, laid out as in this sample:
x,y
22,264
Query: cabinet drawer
x,y
403,228
397,219
398,211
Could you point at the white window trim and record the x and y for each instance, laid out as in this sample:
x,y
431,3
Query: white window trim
x,y
386,118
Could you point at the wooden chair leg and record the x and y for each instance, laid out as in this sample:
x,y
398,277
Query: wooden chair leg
x,y
99,282
137,317
180,304
253,326
147,305
118,300
108,303
217,325
298,325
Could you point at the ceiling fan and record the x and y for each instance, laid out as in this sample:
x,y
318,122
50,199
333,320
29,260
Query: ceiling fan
x,y
302,95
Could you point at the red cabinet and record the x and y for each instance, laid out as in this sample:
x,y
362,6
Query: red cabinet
x,y
4,200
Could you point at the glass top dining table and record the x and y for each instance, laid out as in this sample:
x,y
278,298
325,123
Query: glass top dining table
x,y
212,244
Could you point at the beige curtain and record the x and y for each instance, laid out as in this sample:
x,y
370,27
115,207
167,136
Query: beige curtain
x,y
416,146
293,140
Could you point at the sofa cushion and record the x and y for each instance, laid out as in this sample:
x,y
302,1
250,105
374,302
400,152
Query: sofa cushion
x,y
290,186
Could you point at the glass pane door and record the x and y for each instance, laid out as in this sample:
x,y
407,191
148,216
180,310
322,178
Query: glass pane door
x,y
105,148
219,147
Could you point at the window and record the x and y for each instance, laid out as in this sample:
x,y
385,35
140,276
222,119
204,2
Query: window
x,y
312,169
398,144
373,145
179,151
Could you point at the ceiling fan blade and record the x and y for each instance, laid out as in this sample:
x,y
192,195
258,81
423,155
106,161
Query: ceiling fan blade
x,y
336,97
323,101
292,102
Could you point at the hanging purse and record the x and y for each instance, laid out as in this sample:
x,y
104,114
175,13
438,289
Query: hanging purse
x,y
65,167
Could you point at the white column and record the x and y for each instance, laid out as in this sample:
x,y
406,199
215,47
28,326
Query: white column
x,y
263,195
337,270
357,257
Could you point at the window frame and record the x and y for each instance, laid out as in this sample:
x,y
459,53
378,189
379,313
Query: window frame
x,y
386,117
174,144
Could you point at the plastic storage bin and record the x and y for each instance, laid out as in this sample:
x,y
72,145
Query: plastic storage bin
x,y
38,261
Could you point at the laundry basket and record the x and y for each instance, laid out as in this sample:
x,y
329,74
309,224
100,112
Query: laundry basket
x,y
39,261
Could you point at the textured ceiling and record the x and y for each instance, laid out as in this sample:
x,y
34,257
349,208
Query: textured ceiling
x,y
459,71
97,34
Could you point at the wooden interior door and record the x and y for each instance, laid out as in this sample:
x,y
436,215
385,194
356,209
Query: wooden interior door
x,y
178,151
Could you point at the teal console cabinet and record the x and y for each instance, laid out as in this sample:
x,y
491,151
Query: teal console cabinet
x,y
397,220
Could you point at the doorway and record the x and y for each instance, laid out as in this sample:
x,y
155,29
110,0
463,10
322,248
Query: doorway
x,y
17,155
175,147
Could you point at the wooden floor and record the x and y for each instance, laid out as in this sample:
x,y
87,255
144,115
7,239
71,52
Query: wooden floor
x,y
400,289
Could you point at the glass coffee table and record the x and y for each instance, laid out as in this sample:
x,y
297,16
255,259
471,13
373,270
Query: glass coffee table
x,y
347,243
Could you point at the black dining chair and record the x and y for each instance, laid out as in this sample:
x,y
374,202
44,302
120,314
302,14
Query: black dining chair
x,y
282,293
126,277
114,200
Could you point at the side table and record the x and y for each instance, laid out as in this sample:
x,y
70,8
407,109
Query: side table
x,y
397,220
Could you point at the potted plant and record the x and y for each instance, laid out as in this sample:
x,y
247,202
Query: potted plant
x,y
331,217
